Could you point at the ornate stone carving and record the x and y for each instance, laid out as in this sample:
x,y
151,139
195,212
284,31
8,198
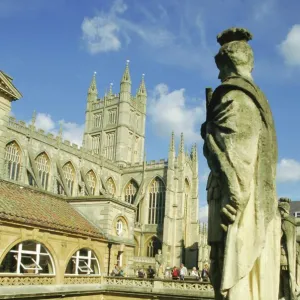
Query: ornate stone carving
x,y
27,280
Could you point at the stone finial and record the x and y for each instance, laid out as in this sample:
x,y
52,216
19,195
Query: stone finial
x,y
142,88
126,74
93,85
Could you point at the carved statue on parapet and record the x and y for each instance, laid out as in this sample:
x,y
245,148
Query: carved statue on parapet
x,y
160,261
288,259
241,150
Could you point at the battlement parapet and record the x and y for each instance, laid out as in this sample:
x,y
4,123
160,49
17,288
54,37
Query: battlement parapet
x,y
57,142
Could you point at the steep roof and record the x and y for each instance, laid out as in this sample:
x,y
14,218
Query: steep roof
x,y
30,206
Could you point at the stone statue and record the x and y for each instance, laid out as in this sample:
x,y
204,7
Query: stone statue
x,y
241,150
288,258
160,264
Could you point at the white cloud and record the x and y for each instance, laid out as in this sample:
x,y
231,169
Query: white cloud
x,y
72,132
45,122
111,30
203,213
288,170
290,47
101,33
168,111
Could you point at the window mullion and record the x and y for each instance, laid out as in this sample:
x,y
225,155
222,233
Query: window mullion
x,y
38,251
19,258
77,262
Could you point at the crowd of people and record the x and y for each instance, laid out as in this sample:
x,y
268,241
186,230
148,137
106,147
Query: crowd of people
x,y
177,273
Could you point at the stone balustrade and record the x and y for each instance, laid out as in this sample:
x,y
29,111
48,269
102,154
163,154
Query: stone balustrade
x,y
104,285
26,280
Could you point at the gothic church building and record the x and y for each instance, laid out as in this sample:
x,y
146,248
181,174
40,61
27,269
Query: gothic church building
x,y
104,196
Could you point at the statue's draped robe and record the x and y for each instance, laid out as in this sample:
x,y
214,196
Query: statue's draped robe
x,y
241,150
288,227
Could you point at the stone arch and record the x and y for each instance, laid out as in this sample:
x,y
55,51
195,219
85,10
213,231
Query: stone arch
x,y
45,244
111,186
69,172
125,228
86,267
155,177
152,245
157,198
92,180
43,165
130,191
13,156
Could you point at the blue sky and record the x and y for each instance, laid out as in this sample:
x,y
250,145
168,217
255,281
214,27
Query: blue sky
x,y
52,48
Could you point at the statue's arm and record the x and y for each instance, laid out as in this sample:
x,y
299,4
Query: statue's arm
x,y
232,141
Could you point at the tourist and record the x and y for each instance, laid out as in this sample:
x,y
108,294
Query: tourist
x,y
141,273
115,271
183,271
205,273
150,273
195,273
175,273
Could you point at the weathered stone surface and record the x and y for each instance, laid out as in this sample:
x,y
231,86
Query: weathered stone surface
x,y
241,151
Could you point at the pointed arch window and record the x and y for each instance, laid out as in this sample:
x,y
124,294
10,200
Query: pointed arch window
x,y
153,246
69,173
130,191
13,161
91,181
156,202
28,257
83,261
111,186
43,167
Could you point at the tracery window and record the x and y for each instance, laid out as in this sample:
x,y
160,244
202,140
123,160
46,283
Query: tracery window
x,y
119,227
130,191
96,142
112,116
43,167
28,257
98,120
109,150
111,186
156,202
153,246
84,262
91,180
69,174
13,161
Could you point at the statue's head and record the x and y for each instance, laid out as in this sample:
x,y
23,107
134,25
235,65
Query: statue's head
x,y
235,57
284,206
159,251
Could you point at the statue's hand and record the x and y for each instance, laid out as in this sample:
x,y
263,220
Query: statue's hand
x,y
228,214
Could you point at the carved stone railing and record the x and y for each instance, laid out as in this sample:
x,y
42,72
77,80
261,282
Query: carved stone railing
x,y
82,279
41,286
182,285
128,282
26,280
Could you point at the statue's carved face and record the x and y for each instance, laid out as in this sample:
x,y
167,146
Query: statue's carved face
x,y
234,58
